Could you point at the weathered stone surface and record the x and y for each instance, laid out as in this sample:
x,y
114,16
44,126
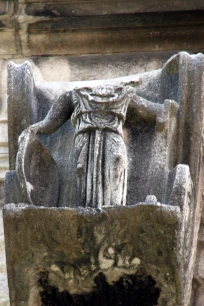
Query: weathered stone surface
x,y
7,46
72,69
158,126
4,7
97,114
4,293
99,27
15,43
152,114
146,140
38,161
85,42
22,89
2,192
44,7
3,130
198,285
104,29
4,135
73,246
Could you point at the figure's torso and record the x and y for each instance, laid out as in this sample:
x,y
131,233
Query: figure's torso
x,y
99,108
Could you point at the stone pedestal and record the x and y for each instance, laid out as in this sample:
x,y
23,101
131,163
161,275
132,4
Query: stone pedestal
x,y
64,252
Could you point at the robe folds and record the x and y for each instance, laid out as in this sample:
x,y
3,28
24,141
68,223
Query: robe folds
x,y
100,149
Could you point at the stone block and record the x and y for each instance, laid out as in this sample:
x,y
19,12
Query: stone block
x,y
2,178
111,7
4,132
4,293
71,247
3,99
4,151
2,261
121,27
4,7
7,46
114,41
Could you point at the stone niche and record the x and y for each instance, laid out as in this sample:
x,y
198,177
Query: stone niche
x,y
104,208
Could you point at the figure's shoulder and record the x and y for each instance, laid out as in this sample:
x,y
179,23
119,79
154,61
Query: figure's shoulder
x,y
64,101
65,97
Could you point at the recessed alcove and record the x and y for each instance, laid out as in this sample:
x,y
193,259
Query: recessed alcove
x,y
91,251
129,290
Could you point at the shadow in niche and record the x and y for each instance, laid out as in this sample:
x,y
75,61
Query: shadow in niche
x,y
130,290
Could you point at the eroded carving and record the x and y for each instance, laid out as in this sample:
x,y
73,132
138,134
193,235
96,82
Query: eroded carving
x,y
128,137
98,115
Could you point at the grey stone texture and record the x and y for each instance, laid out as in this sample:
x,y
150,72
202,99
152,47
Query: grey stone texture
x,y
2,195
4,292
72,68
22,116
35,28
164,153
74,246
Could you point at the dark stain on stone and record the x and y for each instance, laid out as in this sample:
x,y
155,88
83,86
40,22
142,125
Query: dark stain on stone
x,y
2,25
137,290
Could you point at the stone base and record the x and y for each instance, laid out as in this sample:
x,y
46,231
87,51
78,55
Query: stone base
x,y
68,249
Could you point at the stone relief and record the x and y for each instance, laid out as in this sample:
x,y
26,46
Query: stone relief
x,y
97,114
109,174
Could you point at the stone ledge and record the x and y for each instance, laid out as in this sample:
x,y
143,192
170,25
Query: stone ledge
x,y
92,42
30,28
113,6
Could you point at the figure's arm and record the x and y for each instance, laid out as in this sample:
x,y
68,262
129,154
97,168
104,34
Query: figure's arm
x,y
152,112
58,114
148,111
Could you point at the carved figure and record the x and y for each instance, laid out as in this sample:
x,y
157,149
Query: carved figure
x,y
98,114
68,249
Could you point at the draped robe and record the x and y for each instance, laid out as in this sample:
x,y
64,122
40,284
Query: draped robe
x,y
100,148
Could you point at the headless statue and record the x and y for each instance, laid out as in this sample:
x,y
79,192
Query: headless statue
x,y
98,114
